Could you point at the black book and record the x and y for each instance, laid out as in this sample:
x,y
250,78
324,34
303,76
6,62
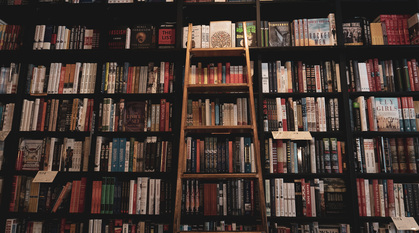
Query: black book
x,y
298,198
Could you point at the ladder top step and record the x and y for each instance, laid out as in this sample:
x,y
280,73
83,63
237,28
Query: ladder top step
x,y
218,52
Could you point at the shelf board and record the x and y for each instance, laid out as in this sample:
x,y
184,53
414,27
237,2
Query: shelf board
x,y
407,177
220,231
384,94
385,134
219,175
218,88
218,52
301,95
304,175
219,129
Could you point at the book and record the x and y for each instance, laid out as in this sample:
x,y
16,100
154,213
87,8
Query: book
x,y
220,34
279,34
318,31
387,114
353,32
166,37
135,116
251,34
143,36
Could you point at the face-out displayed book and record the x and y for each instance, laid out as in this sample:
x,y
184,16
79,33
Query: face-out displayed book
x,y
220,34
251,34
279,34
352,32
319,32
143,36
387,111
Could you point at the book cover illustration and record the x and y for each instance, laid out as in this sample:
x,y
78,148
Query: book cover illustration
x,y
319,32
279,34
251,34
352,32
143,36
220,34
134,120
166,35
31,150
387,112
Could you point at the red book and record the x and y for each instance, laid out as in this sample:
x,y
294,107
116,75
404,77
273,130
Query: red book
x,y
284,118
82,194
411,76
252,197
274,156
162,117
376,198
93,202
167,125
410,155
166,77
240,74
300,76
211,74
370,114
363,205
390,194
308,199
415,73
219,73
371,79
340,158
73,197
304,196
39,120
406,30
64,193
228,72
13,194
134,201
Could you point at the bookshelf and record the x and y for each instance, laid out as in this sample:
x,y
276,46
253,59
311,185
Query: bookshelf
x,y
104,16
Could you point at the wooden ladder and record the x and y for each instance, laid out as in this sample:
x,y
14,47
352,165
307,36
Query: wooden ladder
x,y
250,129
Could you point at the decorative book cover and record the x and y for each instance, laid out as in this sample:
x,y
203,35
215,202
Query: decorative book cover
x,y
220,34
387,114
279,34
134,120
143,36
31,154
318,30
352,32
251,34
117,37
166,35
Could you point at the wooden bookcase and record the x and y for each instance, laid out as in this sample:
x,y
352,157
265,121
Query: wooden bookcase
x,y
104,16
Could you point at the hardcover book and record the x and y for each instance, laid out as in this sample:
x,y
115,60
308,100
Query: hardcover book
x,y
220,34
31,154
166,35
387,114
352,32
143,36
318,31
279,34
134,120
251,33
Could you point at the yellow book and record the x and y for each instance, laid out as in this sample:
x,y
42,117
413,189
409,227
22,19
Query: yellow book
x,y
205,75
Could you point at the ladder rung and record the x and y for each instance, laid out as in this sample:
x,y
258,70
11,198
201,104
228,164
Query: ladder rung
x,y
220,129
219,88
220,175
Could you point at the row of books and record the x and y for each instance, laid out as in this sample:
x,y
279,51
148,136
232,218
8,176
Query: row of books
x,y
148,78
384,113
59,78
143,196
10,36
9,78
126,226
134,79
132,1
300,76
14,225
385,29
6,116
378,75
306,114
325,155
221,34
53,154
135,116
220,155
132,155
62,37
370,227
34,197
299,32
142,36
386,155
218,73
308,198
207,112
307,227
56,115
224,198
215,226
385,198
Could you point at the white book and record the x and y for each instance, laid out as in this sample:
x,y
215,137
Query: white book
x,y
10,111
99,140
131,196
34,80
144,194
304,78
205,36
265,78
59,37
128,38
252,157
157,197
35,114
127,152
317,77
382,208
29,116
36,37
284,80
292,194
82,117
50,77
220,34
196,36
363,76
245,120
233,34
277,201
51,153
91,226
362,107
76,78
234,113
401,199
41,79
57,78
268,197
151,196
270,146
41,36
64,36
369,155
396,200
313,202
92,81
313,155
83,78
138,197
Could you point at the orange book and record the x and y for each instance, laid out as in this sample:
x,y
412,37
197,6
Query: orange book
x,y
340,158
44,112
198,152
71,77
212,113
81,197
62,79
64,194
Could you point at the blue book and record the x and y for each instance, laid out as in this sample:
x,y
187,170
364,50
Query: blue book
x,y
122,144
224,73
217,112
125,77
115,157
